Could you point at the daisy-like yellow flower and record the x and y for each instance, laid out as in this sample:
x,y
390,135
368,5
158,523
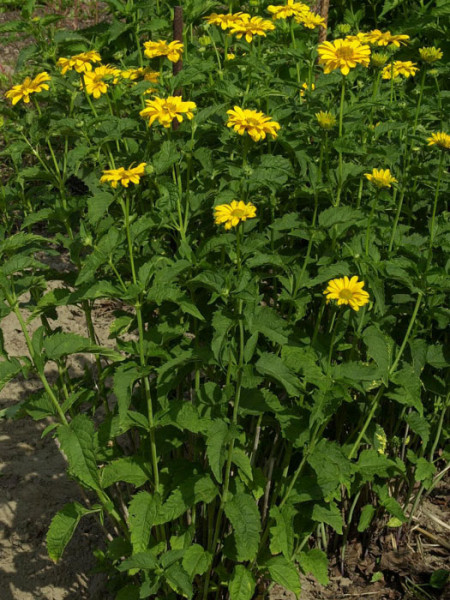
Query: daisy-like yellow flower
x,y
231,56
173,50
29,86
255,123
359,37
165,110
94,81
284,11
224,21
326,120
347,291
249,26
305,88
381,178
441,139
123,176
431,54
399,67
343,54
80,62
310,20
378,38
146,73
232,214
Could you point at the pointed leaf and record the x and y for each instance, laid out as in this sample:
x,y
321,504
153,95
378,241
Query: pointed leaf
x,y
243,514
143,511
242,584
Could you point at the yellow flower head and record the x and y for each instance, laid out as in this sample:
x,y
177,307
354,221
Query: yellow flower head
x,y
378,38
173,50
359,37
232,214
431,54
224,21
291,9
305,88
29,86
165,110
310,20
379,59
441,139
80,62
94,81
231,56
381,441
343,54
123,176
255,123
146,73
326,120
381,178
399,67
347,291
249,26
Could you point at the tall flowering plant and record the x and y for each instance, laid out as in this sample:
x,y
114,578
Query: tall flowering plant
x,y
272,379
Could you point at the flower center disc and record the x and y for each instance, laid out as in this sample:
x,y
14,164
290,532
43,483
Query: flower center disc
x,y
345,294
345,53
238,212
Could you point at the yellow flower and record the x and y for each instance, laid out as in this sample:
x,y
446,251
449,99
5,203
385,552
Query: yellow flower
x,y
431,54
399,67
379,38
291,9
249,26
305,88
145,72
343,55
378,59
359,37
224,21
326,120
310,20
255,123
232,214
29,86
80,62
173,50
94,81
441,139
382,178
347,291
165,110
381,442
123,176
231,56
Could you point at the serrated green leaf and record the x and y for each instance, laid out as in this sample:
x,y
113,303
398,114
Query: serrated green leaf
x,y
215,444
179,580
62,528
140,560
77,443
315,561
242,584
285,573
196,560
131,469
143,511
241,460
282,533
243,515
329,514
424,470
367,513
272,366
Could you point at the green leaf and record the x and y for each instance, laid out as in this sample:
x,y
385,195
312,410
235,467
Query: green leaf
x,y
215,442
285,573
330,514
240,459
266,321
124,378
282,533
166,157
315,562
143,511
131,469
379,347
62,529
424,470
129,592
243,514
141,560
179,580
408,391
331,465
371,464
367,513
62,344
196,560
77,443
242,584
8,370
419,425
272,366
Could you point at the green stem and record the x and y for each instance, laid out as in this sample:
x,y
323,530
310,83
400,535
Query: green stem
x,y
369,222
419,102
341,119
433,216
